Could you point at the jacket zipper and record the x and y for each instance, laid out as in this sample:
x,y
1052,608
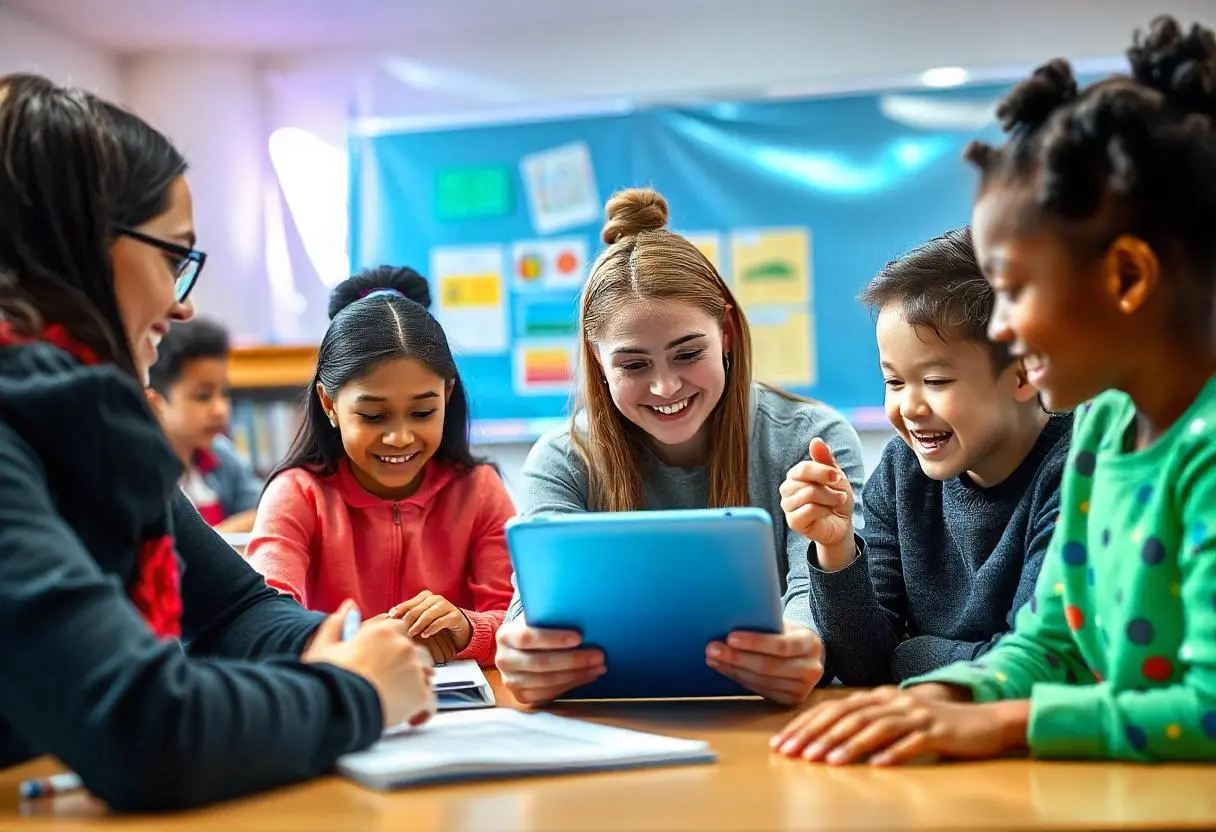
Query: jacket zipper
x,y
396,575
396,514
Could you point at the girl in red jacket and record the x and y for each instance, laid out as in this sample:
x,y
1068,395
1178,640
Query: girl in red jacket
x,y
380,498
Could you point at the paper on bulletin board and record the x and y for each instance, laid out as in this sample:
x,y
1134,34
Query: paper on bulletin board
x,y
471,303
545,367
710,244
783,344
771,265
560,185
555,265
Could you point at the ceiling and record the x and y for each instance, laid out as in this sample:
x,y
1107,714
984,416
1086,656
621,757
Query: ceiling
x,y
278,26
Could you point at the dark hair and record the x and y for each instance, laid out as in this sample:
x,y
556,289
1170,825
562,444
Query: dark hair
x,y
939,286
190,341
1138,151
378,315
72,167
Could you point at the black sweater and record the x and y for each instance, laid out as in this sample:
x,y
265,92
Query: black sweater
x,y
944,567
147,724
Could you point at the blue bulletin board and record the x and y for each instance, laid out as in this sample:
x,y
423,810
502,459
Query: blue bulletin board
x,y
798,202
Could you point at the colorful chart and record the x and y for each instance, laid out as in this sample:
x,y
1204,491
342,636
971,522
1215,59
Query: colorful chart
x,y
470,303
539,317
550,265
544,366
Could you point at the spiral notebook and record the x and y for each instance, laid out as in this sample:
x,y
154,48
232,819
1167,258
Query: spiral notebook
x,y
500,742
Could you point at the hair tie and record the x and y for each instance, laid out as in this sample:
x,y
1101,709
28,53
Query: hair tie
x,y
383,290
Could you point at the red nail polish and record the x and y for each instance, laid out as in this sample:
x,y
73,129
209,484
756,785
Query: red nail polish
x,y
419,718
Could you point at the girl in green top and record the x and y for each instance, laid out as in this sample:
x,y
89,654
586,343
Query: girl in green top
x,y
1094,225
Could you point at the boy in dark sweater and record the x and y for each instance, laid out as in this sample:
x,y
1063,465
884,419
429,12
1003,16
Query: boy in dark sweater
x,y
960,509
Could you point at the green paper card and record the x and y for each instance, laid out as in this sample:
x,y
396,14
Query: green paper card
x,y
469,193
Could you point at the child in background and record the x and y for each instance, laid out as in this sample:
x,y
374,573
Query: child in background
x,y
189,392
669,416
960,510
1094,225
380,498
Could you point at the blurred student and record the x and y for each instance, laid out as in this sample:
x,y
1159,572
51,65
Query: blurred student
x,y
962,505
1093,223
669,416
380,498
138,651
189,391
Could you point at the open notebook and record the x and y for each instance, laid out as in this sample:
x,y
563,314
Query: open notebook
x,y
500,742
460,685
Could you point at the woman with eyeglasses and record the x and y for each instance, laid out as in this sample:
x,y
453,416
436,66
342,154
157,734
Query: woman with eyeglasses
x,y
135,646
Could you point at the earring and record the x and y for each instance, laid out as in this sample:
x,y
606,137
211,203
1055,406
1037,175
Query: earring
x,y
726,361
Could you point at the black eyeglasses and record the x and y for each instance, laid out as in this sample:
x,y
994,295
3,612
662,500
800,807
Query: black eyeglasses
x,y
188,267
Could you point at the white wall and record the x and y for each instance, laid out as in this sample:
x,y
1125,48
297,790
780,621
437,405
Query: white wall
x,y
26,46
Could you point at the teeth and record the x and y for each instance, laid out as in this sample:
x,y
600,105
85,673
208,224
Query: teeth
x,y
669,409
397,460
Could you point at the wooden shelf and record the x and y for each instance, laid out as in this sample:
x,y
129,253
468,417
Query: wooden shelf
x,y
267,368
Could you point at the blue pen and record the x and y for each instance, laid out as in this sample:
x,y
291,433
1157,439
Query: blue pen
x,y
350,627
50,786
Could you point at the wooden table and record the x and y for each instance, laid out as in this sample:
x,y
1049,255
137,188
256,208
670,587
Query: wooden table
x,y
748,789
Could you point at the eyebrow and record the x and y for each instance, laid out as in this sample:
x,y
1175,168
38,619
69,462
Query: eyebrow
x,y
921,366
368,397
671,345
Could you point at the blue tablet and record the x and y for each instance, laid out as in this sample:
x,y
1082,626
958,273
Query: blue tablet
x,y
651,589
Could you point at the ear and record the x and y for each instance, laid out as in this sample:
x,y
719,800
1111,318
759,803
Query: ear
x,y
1131,272
155,400
327,404
729,328
1023,390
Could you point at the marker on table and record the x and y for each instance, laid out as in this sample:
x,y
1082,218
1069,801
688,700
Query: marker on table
x,y
51,786
69,781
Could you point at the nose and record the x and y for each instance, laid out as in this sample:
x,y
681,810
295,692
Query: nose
x,y
998,324
912,404
222,407
182,311
665,384
398,437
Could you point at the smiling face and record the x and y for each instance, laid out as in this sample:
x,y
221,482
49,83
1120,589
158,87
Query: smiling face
x,y
948,402
391,422
663,364
1068,318
144,277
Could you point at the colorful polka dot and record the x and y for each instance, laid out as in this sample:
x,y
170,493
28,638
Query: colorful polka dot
x,y
1144,493
1173,730
1186,653
1137,536
1086,462
1074,553
1140,631
1136,737
1074,617
1052,661
1097,676
1208,723
1197,533
1059,588
1106,537
1084,507
1157,669
1198,426
1001,677
1153,551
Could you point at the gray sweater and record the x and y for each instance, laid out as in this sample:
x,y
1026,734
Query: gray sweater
x,y
555,479
944,566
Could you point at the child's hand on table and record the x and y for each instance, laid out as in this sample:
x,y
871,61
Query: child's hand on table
x,y
782,668
436,623
817,500
889,726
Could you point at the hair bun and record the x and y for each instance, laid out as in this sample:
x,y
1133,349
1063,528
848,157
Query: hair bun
x,y
1181,66
633,211
1029,104
402,279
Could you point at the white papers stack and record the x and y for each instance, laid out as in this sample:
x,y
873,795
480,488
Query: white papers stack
x,y
500,742
460,685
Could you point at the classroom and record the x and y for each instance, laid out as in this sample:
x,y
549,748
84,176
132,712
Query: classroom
x,y
684,414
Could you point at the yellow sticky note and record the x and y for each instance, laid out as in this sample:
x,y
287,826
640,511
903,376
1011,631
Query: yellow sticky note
x,y
771,266
783,349
472,290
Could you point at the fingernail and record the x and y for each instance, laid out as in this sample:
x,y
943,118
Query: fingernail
x,y
813,752
714,651
789,747
880,759
419,718
838,755
775,742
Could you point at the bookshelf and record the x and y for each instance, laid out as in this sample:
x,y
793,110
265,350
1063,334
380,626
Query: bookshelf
x,y
268,384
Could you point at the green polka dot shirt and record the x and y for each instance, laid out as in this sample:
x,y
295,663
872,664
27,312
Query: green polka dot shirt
x,y
1117,649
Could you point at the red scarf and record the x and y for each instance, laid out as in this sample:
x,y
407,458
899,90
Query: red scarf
x,y
156,592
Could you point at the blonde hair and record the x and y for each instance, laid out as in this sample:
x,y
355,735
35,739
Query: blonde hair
x,y
645,261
